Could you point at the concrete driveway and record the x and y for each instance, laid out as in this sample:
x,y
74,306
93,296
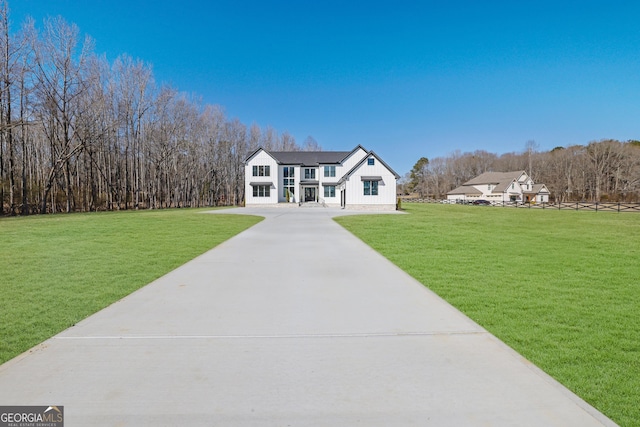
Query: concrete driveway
x,y
294,322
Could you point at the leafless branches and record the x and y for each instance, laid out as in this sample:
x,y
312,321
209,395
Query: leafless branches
x,y
80,134
606,170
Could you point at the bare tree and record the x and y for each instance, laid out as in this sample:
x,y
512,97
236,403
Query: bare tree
x,y
133,82
287,142
531,147
255,135
310,144
84,134
13,53
60,64
270,139
604,158
606,169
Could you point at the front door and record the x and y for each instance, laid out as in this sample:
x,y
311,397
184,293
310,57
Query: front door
x,y
309,194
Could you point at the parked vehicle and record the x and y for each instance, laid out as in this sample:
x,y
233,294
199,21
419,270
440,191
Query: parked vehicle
x,y
482,202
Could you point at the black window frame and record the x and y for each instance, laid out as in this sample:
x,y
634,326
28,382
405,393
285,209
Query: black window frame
x,y
309,173
261,191
261,170
289,172
370,188
331,190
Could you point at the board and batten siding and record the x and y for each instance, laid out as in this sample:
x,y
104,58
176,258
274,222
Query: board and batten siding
x,y
262,159
351,161
297,170
386,197
340,171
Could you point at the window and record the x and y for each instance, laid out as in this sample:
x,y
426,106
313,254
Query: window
x,y
262,170
261,190
329,191
371,161
291,192
513,185
329,171
309,173
370,188
489,187
288,184
288,172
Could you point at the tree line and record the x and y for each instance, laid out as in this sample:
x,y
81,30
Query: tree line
x,y
80,133
605,170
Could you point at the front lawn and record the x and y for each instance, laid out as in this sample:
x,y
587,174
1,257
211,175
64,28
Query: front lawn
x,y
55,270
560,287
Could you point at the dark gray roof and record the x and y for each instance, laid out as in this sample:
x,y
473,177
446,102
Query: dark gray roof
x,y
309,158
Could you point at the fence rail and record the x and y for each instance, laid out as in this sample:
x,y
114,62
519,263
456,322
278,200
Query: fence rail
x,y
576,206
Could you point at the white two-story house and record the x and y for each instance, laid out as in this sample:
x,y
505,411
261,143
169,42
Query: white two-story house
x,y
501,187
356,179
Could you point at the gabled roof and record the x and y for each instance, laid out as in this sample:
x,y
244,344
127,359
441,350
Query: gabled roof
x,y
316,158
503,186
307,158
253,153
465,189
358,147
539,188
495,178
364,159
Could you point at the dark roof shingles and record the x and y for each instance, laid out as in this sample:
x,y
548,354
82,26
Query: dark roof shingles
x,y
309,158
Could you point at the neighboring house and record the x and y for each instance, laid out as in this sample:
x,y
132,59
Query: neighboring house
x,y
356,179
501,187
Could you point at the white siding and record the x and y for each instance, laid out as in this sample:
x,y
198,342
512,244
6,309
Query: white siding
x,y
351,161
386,188
331,201
296,191
523,184
483,189
341,170
262,159
517,188
386,198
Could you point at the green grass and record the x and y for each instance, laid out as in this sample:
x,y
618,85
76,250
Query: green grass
x,y
560,287
55,270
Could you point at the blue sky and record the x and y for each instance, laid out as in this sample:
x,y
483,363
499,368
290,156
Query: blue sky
x,y
404,78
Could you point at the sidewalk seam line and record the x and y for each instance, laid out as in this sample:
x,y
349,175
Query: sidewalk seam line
x,y
355,335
